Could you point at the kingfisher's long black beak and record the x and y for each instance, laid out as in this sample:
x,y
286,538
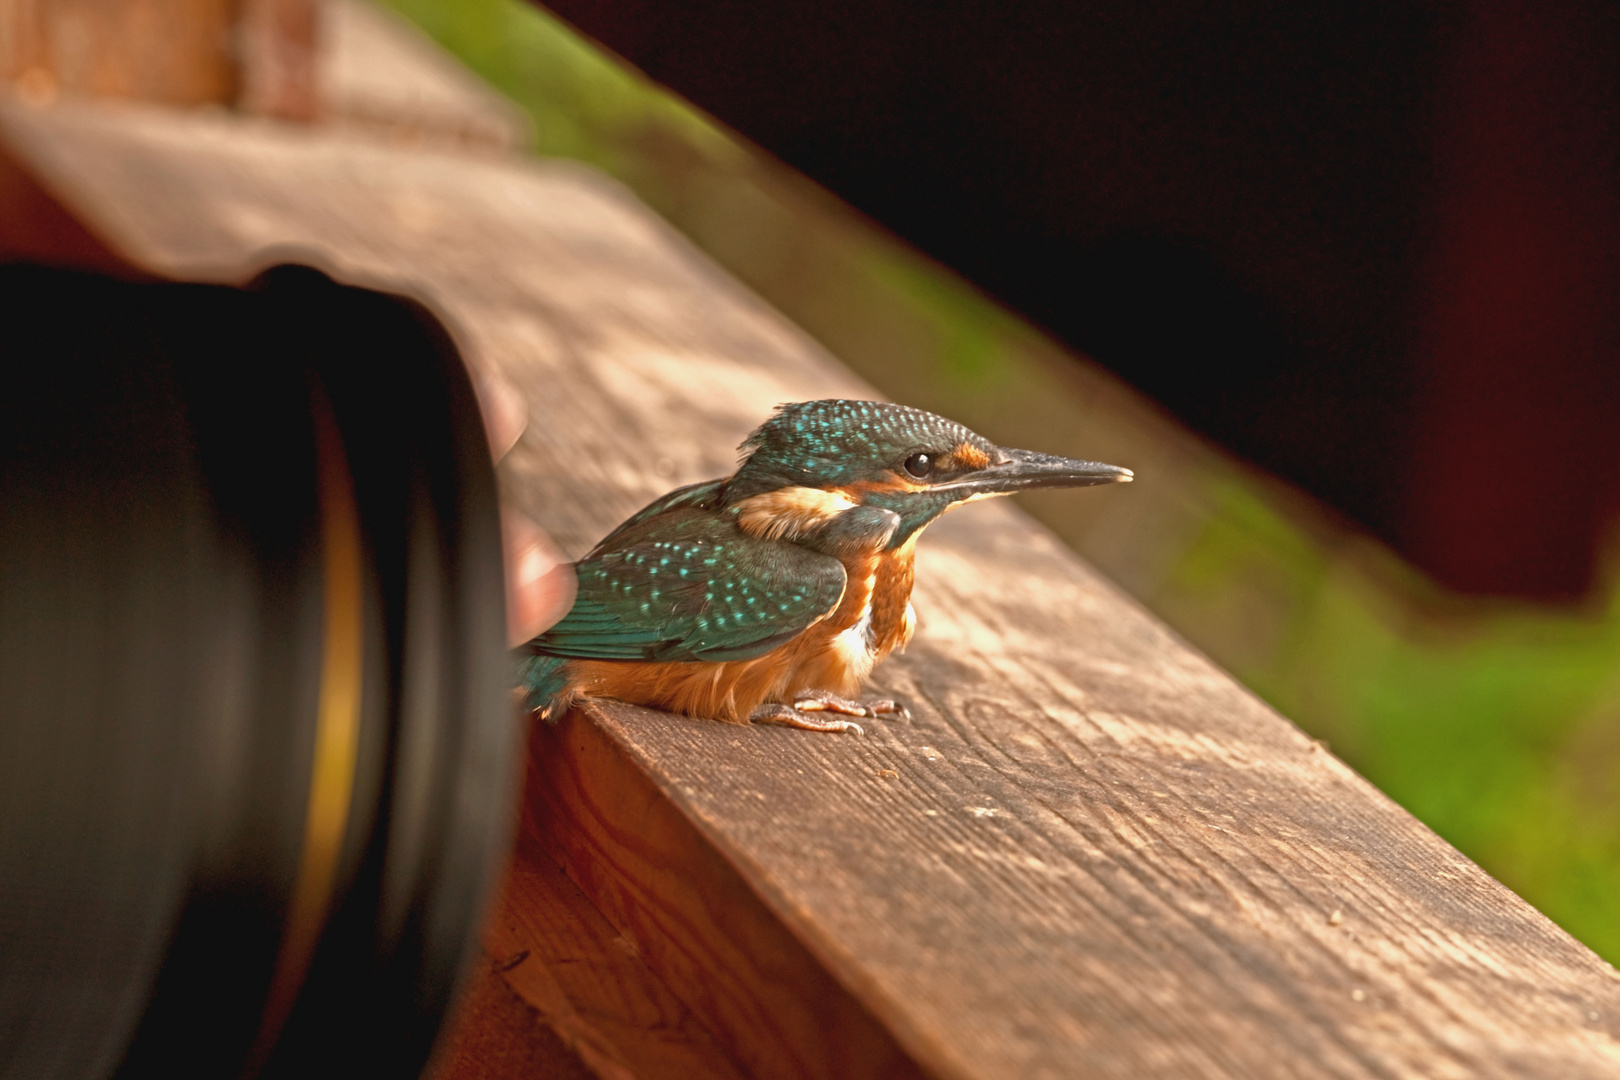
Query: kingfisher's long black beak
x,y
1024,469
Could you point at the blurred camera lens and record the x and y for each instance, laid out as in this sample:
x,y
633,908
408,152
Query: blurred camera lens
x,y
256,754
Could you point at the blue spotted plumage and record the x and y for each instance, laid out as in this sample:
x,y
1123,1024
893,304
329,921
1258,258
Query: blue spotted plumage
x,y
768,595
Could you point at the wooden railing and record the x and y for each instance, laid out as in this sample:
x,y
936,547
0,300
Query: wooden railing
x,y
1088,852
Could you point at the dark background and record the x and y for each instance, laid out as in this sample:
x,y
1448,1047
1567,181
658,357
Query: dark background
x,y
1373,248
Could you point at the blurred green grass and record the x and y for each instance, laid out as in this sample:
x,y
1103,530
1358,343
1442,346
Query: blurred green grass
x,y
1496,724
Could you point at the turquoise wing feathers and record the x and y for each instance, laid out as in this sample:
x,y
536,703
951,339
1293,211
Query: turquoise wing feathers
x,y
704,495
691,586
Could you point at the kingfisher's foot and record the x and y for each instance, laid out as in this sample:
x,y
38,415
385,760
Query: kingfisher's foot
x,y
789,716
822,701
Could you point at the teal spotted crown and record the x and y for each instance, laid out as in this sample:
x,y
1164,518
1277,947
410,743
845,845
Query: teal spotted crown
x,y
837,441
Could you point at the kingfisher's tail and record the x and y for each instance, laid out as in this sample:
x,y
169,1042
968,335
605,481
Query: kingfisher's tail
x,y
543,679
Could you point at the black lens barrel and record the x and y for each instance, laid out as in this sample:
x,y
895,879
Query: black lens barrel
x,y
256,764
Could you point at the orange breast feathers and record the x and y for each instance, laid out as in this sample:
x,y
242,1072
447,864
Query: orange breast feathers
x,y
893,620
836,653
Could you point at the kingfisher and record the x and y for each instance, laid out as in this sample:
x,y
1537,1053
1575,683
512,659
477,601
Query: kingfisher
x,y
768,596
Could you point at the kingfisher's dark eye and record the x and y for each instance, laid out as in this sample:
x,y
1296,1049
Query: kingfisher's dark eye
x,y
920,464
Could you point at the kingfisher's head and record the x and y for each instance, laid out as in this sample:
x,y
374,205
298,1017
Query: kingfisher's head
x,y
871,453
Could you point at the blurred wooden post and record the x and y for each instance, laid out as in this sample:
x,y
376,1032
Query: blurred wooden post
x,y
276,61
257,55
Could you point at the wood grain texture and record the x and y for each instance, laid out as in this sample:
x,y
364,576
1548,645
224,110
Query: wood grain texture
x,y
1089,852
587,982
559,991
693,916
496,1035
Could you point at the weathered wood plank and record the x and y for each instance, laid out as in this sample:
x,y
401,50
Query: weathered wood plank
x,y
1092,891
1097,854
695,918
558,953
496,1035
559,990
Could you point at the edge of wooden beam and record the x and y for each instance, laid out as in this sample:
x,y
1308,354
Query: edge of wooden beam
x,y
690,914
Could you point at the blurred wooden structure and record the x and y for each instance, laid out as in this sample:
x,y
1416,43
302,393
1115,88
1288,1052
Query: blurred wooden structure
x,y
1088,852
302,60
258,54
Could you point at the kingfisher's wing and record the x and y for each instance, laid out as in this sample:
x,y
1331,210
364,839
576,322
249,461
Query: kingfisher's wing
x,y
696,588
703,495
